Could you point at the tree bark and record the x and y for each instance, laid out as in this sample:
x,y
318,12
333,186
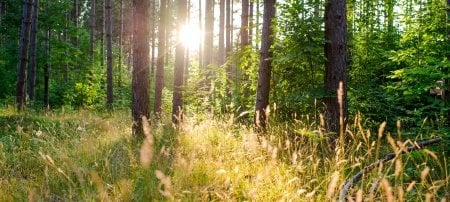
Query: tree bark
x,y
335,66
75,16
228,44
177,100
447,96
102,38
250,22
209,36
23,55
92,31
47,68
153,40
119,65
109,55
33,46
221,54
263,89
140,82
159,80
200,45
244,24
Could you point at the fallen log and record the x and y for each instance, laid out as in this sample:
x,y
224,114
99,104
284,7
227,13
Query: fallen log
x,y
350,182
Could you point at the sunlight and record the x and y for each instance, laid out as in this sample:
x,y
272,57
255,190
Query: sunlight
x,y
190,36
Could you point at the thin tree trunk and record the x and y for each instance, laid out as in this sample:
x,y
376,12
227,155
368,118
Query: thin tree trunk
x,y
262,95
250,22
92,31
153,54
119,65
209,35
335,66
140,82
75,16
102,36
447,96
177,101
228,43
159,80
200,45
221,55
109,55
258,13
187,57
66,39
23,55
244,24
33,59
47,68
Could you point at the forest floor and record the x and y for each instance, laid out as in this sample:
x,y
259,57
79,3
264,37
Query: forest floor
x,y
87,156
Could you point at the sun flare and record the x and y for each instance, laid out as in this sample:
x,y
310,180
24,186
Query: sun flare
x,y
190,36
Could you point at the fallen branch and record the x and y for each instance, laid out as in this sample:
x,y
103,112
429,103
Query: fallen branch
x,y
349,183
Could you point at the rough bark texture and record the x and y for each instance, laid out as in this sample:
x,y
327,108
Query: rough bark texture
x,y
447,96
209,35
23,55
250,22
228,44
159,80
262,95
200,45
92,31
140,83
244,23
221,53
335,65
47,68
177,100
33,46
109,55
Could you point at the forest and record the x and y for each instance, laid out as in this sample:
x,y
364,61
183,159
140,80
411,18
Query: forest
x,y
225,100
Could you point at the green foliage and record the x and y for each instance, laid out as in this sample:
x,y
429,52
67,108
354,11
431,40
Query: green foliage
x,y
298,57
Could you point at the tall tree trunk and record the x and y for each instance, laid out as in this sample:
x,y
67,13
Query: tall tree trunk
x,y
153,40
177,100
159,80
33,59
209,36
257,21
109,55
102,37
335,66
244,24
119,65
92,32
140,82
262,94
75,16
228,44
66,39
250,22
447,96
23,55
221,54
200,45
47,70
187,57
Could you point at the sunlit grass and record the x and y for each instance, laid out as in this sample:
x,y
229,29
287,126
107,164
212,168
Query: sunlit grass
x,y
82,155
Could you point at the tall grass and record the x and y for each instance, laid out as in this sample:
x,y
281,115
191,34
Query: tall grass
x,y
86,156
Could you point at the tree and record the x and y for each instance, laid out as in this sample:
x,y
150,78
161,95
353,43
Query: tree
x,y
244,23
228,43
177,100
109,55
209,35
33,57
47,70
221,53
159,80
447,96
23,55
92,31
335,66
140,82
263,89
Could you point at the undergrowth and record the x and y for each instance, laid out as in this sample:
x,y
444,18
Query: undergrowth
x,y
82,155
